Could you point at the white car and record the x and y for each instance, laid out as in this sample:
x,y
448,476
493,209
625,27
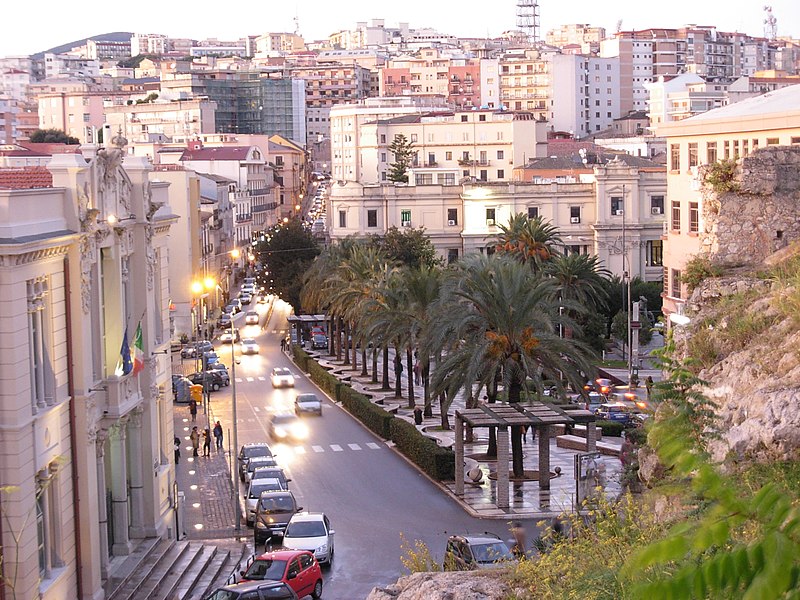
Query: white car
x,y
266,484
251,318
249,346
282,377
287,426
312,532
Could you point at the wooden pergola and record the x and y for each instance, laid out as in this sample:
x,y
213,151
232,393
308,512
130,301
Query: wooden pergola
x,y
537,415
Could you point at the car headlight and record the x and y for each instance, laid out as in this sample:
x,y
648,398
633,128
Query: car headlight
x,y
280,432
322,549
299,430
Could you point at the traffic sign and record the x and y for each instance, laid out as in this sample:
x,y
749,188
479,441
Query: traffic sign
x,y
636,324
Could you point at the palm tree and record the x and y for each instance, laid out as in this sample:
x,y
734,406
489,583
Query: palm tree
x,y
531,241
580,279
495,318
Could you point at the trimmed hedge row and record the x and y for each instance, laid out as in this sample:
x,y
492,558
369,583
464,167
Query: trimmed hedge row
x,y
300,356
322,378
372,415
436,461
610,428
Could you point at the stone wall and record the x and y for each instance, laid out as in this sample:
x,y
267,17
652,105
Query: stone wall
x,y
744,228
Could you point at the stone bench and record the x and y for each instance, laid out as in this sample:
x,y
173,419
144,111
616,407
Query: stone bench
x,y
574,442
579,430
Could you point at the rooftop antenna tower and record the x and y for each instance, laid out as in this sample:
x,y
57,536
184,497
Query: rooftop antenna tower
x,y
296,22
770,24
528,19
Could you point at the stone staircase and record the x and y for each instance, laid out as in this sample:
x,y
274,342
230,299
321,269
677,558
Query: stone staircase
x,y
161,569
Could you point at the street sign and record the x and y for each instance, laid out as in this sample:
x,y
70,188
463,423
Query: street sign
x,y
636,324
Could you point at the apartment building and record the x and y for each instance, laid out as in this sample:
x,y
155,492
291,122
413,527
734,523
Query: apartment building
x,y
107,49
8,120
64,64
148,43
526,81
610,210
683,96
288,160
79,114
729,132
87,443
584,93
582,37
759,83
278,42
139,122
15,83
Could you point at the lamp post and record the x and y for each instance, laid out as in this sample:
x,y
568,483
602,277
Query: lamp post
x,y
202,289
627,291
234,461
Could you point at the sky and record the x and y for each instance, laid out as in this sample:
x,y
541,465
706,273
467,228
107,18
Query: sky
x,y
65,21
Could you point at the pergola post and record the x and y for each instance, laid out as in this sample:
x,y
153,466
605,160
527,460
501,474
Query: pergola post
x,y
591,436
502,467
544,457
459,449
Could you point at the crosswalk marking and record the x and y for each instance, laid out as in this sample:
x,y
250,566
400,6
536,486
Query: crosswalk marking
x,y
255,408
337,448
250,379
373,446
299,450
262,378
354,446
318,448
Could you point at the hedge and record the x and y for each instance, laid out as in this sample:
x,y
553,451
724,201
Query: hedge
x,y
372,415
300,357
611,428
322,377
436,461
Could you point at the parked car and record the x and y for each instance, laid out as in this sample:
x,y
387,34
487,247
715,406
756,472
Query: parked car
x,y
616,411
319,341
210,357
224,321
249,346
312,532
468,552
196,349
214,380
281,377
287,426
236,304
227,337
257,462
271,471
273,511
251,318
248,451
296,568
254,590
219,366
305,404
246,298
254,490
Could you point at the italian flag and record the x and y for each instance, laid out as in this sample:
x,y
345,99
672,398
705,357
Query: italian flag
x,y
138,350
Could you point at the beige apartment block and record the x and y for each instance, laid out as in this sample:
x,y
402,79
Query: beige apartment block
x,y
139,122
730,132
614,210
86,450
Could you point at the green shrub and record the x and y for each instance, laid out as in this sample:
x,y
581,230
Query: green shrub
x,y
322,377
637,436
721,176
372,415
436,461
697,269
611,428
300,357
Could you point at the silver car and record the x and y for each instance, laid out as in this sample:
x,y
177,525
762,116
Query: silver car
x,y
256,462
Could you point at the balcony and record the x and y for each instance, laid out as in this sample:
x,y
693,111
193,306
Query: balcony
x,y
473,163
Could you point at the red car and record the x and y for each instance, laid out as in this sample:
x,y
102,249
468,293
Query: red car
x,y
297,568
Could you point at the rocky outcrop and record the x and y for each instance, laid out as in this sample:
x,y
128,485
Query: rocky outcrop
x,y
469,585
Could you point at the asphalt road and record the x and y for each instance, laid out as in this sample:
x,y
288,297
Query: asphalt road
x,y
370,493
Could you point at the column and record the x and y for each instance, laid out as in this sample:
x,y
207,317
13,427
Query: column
x,y
502,466
102,509
544,457
119,488
136,477
459,448
591,436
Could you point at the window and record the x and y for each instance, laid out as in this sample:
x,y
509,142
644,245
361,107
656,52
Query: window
x,y
464,118
676,216
500,155
675,280
452,255
773,141
372,218
735,149
413,137
574,214
423,178
383,157
490,216
405,218
431,158
693,154
745,147
711,153
795,141
654,254
617,206
657,205
383,138
481,117
694,217
448,156
674,157
501,173
452,216
484,175
533,212
726,149
343,218
447,178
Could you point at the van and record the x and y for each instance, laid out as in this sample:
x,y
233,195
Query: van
x,y
273,511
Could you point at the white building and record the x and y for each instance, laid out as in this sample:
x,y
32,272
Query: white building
x,y
139,122
149,43
584,93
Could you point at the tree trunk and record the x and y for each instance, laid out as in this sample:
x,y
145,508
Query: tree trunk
x,y
491,398
426,387
338,339
364,370
445,418
514,393
410,370
471,403
346,348
353,348
398,369
331,339
374,364
385,383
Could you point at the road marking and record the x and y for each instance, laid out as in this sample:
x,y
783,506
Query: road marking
x,y
373,446
337,448
318,448
354,446
239,380
299,450
250,379
262,378
255,408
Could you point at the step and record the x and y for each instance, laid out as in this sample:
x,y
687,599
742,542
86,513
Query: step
x,y
123,572
142,569
185,572
579,430
214,559
574,442
221,573
163,571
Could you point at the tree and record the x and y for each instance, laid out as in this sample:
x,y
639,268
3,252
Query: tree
x,y
530,241
410,247
496,319
403,152
287,252
53,136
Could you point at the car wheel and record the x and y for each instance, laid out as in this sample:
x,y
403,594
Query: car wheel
x,y
227,382
215,387
317,593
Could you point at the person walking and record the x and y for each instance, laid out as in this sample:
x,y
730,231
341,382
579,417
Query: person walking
x,y
518,534
177,442
283,344
195,437
218,435
206,442
193,410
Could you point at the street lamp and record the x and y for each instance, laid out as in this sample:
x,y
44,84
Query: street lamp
x,y
235,253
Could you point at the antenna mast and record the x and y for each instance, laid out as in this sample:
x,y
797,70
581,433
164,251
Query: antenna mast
x,y
770,24
528,19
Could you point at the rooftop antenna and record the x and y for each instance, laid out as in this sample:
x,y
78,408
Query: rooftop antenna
x,y
296,22
770,24
619,26
528,19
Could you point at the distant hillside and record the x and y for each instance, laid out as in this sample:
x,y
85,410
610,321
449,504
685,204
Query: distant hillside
x,y
116,36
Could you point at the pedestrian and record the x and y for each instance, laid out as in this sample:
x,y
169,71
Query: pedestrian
x,y
519,547
283,344
177,443
648,383
206,442
417,373
193,410
626,452
218,435
195,437
418,415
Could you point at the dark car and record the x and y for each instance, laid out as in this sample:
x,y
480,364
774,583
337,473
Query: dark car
x,y
196,349
248,451
468,552
273,511
319,341
224,321
214,380
254,590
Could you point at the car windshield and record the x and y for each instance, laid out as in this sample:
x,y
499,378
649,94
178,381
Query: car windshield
x,y
251,451
301,529
266,568
223,595
263,485
277,504
248,342
283,419
281,372
491,552
259,461
304,398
